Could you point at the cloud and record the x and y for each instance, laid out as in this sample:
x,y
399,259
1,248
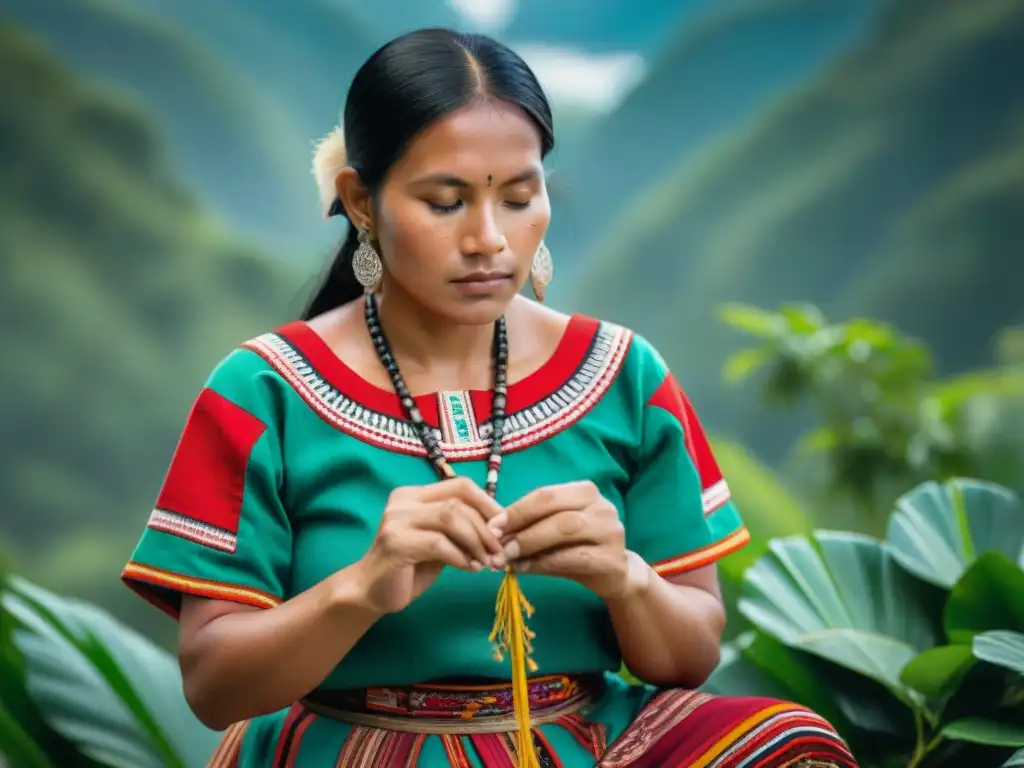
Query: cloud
x,y
491,15
577,78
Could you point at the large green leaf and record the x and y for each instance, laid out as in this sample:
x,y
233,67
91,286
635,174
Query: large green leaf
x,y
989,595
103,686
1002,648
842,597
17,746
937,672
937,531
981,731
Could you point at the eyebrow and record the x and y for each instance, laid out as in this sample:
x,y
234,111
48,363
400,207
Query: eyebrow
x,y
448,180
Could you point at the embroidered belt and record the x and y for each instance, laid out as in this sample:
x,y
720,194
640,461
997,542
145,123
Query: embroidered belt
x,y
437,708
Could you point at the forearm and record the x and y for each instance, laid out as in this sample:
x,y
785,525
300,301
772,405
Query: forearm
x,y
247,663
669,634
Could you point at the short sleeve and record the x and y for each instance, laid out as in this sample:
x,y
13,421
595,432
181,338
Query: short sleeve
x,y
678,509
219,528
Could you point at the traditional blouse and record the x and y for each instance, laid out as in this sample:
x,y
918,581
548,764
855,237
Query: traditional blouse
x,y
288,456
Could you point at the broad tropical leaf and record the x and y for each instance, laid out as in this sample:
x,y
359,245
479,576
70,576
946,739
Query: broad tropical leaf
x,y
987,597
1002,648
842,597
981,731
937,531
937,672
102,686
17,747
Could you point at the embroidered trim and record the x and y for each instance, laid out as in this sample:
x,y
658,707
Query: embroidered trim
x,y
455,414
528,426
715,496
193,530
137,575
703,556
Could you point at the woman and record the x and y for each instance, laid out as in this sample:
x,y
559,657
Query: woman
x,y
347,491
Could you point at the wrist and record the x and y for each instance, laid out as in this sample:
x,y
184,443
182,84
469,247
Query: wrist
x,y
349,590
636,581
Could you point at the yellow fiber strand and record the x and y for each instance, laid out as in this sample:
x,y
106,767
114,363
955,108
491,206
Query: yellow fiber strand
x,y
511,635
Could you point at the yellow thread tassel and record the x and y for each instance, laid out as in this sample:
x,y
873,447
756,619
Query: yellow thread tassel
x,y
511,635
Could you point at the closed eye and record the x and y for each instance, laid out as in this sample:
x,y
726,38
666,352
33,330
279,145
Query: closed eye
x,y
438,208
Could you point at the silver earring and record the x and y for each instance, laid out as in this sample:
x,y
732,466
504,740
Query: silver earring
x,y
366,262
541,272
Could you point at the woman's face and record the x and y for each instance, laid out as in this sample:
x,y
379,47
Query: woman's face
x,y
460,215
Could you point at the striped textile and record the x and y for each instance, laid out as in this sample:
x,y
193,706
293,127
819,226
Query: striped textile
x,y
688,729
676,729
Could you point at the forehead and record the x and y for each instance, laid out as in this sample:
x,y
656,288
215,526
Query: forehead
x,y
482,138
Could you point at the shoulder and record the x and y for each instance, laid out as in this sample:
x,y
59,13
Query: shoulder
x,y
251,374
639,365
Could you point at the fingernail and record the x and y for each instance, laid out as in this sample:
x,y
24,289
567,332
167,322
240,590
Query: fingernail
x,y
476,565
499,522
499,562
512,550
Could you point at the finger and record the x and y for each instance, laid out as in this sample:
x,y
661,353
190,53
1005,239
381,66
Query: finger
x,y
543,502
572,561
465,490
426,546
560,530
462,524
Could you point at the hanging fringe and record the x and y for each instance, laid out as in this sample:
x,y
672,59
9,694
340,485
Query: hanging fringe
x,y
511,635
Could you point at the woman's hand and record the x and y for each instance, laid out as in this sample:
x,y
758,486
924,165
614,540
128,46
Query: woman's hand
x,y
571,531
423,529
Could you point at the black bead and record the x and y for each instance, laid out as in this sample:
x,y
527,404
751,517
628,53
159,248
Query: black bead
x,y
426,434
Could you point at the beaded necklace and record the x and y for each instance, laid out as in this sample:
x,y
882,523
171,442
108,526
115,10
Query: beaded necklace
x,y
510,633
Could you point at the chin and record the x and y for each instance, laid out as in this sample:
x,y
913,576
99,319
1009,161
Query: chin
x,y
472,310
478,312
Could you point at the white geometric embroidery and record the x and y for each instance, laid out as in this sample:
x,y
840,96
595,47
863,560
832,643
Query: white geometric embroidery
x,y
556,412
193,530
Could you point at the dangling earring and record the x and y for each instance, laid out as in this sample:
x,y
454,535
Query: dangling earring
x,y
366,262
542,271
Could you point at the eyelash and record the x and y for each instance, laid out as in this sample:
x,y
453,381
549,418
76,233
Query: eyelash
x,y
445,209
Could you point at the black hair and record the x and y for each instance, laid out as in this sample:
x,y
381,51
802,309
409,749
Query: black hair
x,y
401,89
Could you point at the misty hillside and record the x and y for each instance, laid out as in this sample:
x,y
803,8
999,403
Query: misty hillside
x,y
845,195
239,90
118,294
711,76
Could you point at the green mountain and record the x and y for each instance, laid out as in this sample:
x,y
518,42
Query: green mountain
x,y
240,91
889,186
711,75
118,294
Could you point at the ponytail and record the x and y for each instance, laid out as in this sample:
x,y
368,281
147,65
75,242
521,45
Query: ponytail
x,y
338,285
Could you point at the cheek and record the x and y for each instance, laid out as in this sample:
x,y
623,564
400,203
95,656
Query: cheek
x,y
410,229
527,230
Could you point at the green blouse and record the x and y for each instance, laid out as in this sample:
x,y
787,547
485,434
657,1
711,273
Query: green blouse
x,y
288,456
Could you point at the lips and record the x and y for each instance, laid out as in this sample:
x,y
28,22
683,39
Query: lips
x,y
484,277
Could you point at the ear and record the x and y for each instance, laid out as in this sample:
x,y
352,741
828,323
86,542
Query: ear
x,y
355,198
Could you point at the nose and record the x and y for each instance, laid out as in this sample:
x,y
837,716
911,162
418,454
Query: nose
x,y
483,236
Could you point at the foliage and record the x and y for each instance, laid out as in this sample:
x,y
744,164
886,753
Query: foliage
x,y
886,421
912,646
79,689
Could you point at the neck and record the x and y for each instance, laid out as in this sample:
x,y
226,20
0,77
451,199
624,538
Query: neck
x,y
424,340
